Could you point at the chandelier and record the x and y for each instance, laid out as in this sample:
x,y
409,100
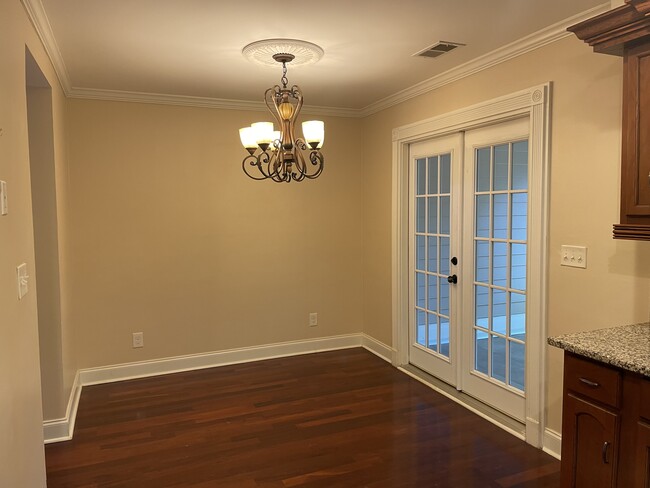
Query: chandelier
x,y
279,155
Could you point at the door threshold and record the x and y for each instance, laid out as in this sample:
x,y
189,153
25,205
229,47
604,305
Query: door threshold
x,y
492,415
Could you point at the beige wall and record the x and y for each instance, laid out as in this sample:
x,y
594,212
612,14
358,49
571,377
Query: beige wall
x,y
21,443
585,158
172,239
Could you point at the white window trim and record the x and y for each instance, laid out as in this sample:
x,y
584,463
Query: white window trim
x,y
533,102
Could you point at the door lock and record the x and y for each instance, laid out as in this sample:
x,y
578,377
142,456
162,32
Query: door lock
x,y
454,260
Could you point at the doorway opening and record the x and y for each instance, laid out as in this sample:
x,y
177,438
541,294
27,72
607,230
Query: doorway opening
x,y
46,242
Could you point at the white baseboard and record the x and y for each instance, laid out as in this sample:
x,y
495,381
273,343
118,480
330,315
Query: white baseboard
x,y
552,443
377,348
59,430
143,369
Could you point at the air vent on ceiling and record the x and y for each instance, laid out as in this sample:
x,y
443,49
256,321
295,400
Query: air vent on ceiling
x,y
438,49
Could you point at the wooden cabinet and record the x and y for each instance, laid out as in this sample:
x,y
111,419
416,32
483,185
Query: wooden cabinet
x,y
605,426
625,31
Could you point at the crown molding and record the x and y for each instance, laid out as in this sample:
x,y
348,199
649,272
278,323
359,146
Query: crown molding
x,y
529,43
205,102
38,18
524,45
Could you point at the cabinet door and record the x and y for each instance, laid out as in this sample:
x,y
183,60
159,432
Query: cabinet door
x,y
635,180
642,464
589,445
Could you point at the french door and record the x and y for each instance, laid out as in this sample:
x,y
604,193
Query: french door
x,y
468,236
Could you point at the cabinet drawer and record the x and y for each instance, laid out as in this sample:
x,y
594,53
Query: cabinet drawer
x,y
592,380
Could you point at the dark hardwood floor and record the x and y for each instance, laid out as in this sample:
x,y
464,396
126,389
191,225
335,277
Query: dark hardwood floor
x,y
335,419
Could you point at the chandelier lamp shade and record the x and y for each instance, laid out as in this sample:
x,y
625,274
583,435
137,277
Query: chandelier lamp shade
x,y
281,155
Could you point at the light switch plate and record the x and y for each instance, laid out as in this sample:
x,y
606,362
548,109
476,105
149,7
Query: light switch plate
x,y
4,208
573,256
22,276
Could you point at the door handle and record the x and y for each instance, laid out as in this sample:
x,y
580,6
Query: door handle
x,y
605,447
452,279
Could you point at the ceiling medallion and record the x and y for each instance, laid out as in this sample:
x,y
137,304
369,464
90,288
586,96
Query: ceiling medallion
x,y
280,157
263,52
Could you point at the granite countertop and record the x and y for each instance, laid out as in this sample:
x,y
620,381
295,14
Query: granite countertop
x,y
627,346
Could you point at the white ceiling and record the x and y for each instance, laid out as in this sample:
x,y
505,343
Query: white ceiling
x,y
193,47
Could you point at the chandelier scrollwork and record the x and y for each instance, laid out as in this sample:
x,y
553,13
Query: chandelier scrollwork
x,y
280,155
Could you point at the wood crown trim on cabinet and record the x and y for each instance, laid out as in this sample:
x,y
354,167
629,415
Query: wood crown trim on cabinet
x,y
625,31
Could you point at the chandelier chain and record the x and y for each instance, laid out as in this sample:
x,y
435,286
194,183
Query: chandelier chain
x,y
284,79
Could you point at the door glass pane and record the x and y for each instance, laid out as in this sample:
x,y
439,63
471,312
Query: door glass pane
x,y
444,296
520,165
500,264
517,364
420,291
482,306
444,215
498,347
482,262
420,215
421,330
499,308
519,216
432,253
445,173
419,252
481,347
518,316
483,216
444,256
433,331
444,336
432,293
420,181
433,175
500,216
518,266
433,215
483,169
500,167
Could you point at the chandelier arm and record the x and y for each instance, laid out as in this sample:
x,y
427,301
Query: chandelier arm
x,y
276,174
317,159
253,160
297,94
270,96
301,166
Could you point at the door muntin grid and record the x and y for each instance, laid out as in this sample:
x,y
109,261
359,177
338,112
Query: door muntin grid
x,y
432,234
500,251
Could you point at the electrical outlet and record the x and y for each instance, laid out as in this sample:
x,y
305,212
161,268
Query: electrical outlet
x,y
313,319
138,339
573,256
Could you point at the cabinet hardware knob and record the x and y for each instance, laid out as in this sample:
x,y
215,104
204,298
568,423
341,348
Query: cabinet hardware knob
x,y
452,279
605,447
587,382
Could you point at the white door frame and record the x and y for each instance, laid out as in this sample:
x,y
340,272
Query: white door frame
x,y
533,102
